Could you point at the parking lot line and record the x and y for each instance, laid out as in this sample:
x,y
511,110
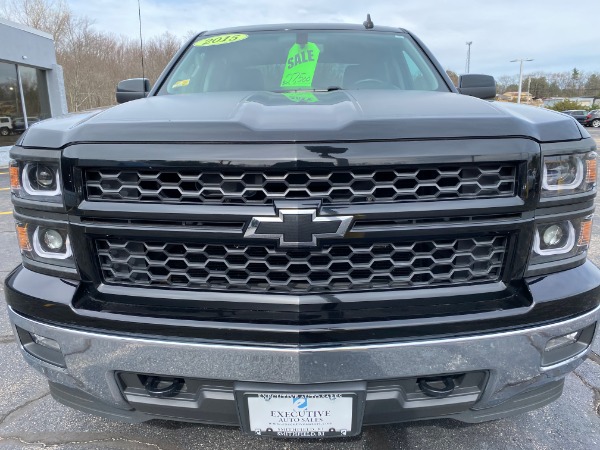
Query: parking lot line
x,y
4,189
5,212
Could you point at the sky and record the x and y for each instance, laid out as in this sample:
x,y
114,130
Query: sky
x,y
555,33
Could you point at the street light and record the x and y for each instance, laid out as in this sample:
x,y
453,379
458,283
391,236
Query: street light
x,y
521,75
468,67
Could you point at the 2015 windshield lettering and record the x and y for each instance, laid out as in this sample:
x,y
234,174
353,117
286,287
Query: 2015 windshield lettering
x,y
219,40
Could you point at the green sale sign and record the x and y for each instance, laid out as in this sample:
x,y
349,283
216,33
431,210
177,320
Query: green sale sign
x,y
300,66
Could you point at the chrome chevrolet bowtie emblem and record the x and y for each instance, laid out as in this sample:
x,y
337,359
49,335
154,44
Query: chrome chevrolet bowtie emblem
x,y
298,227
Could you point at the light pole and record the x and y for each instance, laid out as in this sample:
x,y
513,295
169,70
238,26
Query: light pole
x,y
521,75
468,66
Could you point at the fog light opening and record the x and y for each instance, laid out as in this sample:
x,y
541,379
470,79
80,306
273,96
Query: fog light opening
x,y
41,347
554,239
51,243
45,342
566,346
562,341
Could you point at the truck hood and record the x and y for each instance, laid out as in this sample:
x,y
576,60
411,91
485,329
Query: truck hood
x,y
303,117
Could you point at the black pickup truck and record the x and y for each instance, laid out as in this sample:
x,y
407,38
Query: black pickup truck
x,y
301,230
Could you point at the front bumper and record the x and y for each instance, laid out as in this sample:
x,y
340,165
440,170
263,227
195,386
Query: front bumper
x,y
512,361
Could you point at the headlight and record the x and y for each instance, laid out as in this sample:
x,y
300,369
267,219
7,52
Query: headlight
x,y
36,181
554,239
568,174
51,243
560,240
46,244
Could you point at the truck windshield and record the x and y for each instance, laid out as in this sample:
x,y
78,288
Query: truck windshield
x,y
297,60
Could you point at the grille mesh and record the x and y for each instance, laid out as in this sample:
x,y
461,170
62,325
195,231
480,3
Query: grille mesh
x,y
330,185
333,268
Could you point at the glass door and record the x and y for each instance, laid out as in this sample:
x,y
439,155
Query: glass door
x,y
11,107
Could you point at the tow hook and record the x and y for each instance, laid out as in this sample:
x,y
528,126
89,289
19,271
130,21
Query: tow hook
x,y
437,387
170,390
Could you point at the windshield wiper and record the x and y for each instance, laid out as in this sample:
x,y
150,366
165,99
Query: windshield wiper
x,y
329,89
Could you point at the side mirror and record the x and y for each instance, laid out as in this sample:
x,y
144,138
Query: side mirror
x,y
132,89
480,86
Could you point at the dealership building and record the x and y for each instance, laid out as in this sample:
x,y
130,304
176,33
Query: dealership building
x,y
31,83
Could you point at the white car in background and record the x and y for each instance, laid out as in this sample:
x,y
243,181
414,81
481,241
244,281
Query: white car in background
x,y
6,125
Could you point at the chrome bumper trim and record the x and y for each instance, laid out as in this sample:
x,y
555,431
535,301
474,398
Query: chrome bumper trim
x,y
513,360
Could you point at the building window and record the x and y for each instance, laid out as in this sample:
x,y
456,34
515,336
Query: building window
x,y
11,106
23,101
35,93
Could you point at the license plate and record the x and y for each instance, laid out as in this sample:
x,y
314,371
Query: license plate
x,y
301,415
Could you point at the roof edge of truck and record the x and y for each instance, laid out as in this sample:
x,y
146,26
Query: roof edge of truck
x,y
302,26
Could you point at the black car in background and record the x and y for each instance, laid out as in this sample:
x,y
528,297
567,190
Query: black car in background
x,y
19,123
592,119
579,114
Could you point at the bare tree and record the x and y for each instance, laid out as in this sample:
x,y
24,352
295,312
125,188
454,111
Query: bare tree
x,y
50,16
453,76
158,51
504,83
95,61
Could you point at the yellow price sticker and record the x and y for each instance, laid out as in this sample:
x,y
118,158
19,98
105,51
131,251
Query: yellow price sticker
x,y
220,40
181,83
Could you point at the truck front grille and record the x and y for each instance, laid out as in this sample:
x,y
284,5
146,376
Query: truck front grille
x,y
332,268
353,185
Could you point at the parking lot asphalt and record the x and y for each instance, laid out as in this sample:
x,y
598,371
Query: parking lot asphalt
x,y
595,133
31,419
